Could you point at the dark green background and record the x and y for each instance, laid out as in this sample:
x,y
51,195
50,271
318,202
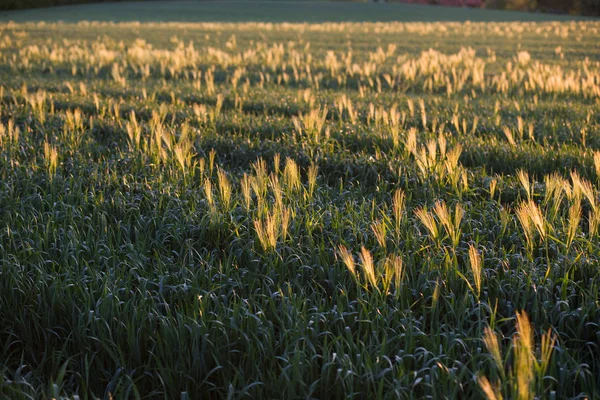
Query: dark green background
x,y
585,7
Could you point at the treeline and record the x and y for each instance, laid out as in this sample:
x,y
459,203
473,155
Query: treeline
x,y
22,4
582,7
575,7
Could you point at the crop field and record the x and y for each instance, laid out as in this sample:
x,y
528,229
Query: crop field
x,y
267,11
300,210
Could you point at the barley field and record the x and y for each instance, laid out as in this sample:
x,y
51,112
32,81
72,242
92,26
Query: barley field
x,y
299,11
300,210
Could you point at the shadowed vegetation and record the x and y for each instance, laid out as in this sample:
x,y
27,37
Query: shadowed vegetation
x,y
266,11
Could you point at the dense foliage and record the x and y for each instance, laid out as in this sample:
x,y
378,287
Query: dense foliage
x,y
390,210
585,7
23,4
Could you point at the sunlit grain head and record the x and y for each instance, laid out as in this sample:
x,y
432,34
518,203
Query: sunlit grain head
x,y
573,221
493,346
525,182
398,205
347,259
524,357
50,158
225,189
368,267
428,221
246,188
379,229
491,392
476,268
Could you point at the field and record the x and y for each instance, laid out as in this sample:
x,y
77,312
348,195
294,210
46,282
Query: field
x,y
267,11
279,210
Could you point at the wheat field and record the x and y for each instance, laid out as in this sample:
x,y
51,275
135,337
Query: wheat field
x,y
300,210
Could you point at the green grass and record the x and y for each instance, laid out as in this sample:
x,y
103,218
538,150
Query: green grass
x,y
299,211
267,11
